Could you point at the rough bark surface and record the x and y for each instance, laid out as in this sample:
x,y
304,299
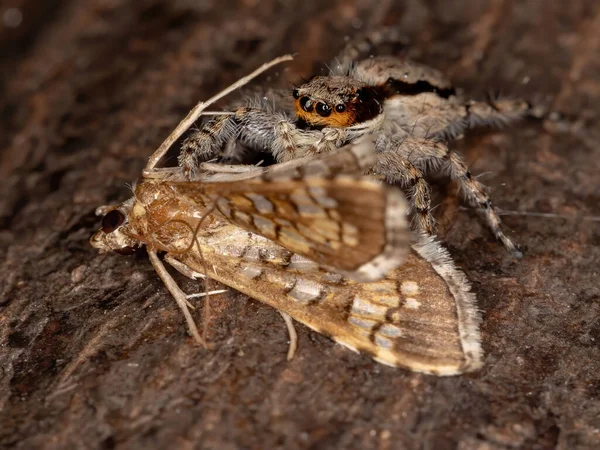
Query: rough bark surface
x,y
94,353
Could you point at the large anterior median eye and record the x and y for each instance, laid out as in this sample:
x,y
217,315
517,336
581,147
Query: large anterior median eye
x,y
306,104
323,109
112,220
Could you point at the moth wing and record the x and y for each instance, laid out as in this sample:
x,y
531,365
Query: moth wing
x,y
421,316
354,158
350,224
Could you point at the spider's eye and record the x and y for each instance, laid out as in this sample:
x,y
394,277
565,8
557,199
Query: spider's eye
x,y
306,104
296,93
323,109
340,108
112,220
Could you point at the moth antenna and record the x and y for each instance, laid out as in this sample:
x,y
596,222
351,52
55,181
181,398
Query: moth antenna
x,y
206,310
218,113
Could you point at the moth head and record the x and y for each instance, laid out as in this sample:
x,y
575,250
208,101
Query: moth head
x,y
335,101
115,234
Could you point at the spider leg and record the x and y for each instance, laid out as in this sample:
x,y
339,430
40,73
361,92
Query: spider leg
x,y
205,143
432,154
256,129
495,112
291,142
400,171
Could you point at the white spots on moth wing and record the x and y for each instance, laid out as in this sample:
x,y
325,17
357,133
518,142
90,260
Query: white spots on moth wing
x,y
390,330
250,271
360,322
306,290
368,272
234,250
321,197
391,301
367,308
305,205
283,222
311,210
291,238
412,303
409,288
384,342
281,278
265,226
334,278
300,263
349,234
241,216
261,203
251,253
224,206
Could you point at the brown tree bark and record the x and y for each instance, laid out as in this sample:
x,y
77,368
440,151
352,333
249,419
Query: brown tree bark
x,y
95,354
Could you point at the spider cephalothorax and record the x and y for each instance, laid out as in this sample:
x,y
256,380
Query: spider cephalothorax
x,y
413,109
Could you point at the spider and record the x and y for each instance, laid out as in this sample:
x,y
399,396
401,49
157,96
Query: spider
x,y
412,109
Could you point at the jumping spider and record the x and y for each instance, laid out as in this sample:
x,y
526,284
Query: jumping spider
x,y
412,109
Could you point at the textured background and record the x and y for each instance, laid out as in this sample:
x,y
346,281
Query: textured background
x,y
93,351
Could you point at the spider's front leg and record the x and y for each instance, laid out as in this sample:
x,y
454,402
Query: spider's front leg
x,y
425,154
255,128
206,143
292,142
259,130
398,170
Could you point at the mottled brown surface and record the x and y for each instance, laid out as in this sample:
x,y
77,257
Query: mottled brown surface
x,y
94,353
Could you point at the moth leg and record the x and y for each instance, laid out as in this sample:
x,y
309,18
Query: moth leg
x,y
184,269
179,296
433,154
400,171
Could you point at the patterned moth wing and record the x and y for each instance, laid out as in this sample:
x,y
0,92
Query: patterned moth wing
x,y
355,158
351,224
420,316
348,223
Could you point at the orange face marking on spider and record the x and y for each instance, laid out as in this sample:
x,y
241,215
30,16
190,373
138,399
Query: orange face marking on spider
x,y
337,102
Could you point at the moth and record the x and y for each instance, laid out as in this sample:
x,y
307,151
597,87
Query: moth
x,y
316,240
